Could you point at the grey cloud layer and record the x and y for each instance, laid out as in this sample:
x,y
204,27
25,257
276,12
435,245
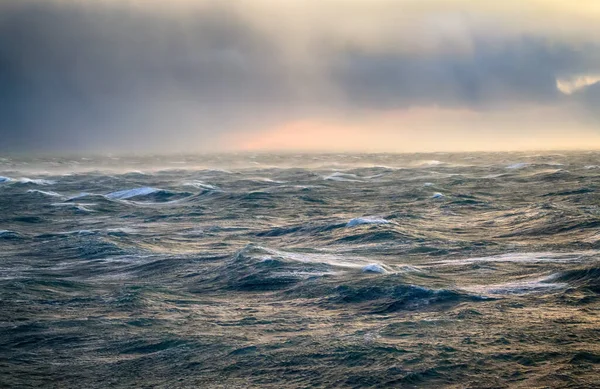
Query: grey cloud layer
x,y
78,75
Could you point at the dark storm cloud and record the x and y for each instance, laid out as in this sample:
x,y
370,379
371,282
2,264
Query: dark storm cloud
x,y
518,71
80,75
76,74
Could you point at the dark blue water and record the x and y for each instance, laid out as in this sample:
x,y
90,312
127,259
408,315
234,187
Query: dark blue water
x,y
287,271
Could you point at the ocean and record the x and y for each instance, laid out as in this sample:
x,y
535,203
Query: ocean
x,y
440,270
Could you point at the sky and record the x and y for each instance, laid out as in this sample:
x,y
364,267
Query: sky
x,y
298,75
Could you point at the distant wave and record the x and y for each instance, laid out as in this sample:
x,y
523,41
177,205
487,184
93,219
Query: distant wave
x,y
383,297
430,162
36,181
147,193
79,207
366,220
542,284
201,185
338,176
129,193
523,258
373,268
9,235
519,165
45,193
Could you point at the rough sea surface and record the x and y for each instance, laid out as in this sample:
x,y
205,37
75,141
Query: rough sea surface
x,y
293,271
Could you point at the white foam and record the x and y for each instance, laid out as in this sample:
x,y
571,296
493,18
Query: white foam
x,y
373,268
121,230
316,258
519,165
522,257
79,232
432,162
428,184
338,176
494,175
77,206
518,287
80,195
366,220
201,185
437,196
45,193
586,167
268,180
36,181
4,179
129,193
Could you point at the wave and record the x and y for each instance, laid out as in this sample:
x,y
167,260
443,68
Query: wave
x,y
260,268
79,207
255,268
129,193
547,257
4,179
45,193
586,278
201,185
374,236
302,229
36,181
519,165
431,162
366,220
79,245
342,177
9,235
373,268
389,295
147,193
536,285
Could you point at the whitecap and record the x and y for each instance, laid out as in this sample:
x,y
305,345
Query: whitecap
x,y
4,179
80,195
45,193
267,180
76,206
519,165
366,220
120,231
312,258
490,176
337,176
7,234
432,162
437,196
522,258
428,184
536,285
373,268
78,232
129,193
201,185
36,181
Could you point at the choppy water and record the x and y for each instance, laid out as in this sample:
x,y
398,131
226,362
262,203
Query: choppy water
x,y
285,271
